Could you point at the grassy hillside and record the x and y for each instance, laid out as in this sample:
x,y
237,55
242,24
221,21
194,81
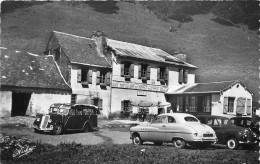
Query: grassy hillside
x,y
221,52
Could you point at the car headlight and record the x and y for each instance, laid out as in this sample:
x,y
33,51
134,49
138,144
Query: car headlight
x,y
49,121
38,119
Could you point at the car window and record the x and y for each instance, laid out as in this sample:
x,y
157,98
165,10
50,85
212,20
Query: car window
x,y
209,121
79,112
171,119
72,112
191,119
160,120
87,111
224,121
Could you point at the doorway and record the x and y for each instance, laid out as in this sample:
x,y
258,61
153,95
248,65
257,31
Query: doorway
x,y
20,102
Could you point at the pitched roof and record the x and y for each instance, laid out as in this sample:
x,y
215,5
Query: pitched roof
x,y
142,52
80,49
23,69
213,87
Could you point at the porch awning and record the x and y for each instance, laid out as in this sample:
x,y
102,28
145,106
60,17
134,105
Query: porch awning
x,y
144,103
164,104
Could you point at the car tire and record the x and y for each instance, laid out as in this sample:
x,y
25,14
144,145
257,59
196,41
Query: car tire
x,y
158,143
87,128
57,130
232,143
179,143
136,139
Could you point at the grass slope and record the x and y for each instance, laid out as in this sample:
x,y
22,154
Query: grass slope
x,y
220,52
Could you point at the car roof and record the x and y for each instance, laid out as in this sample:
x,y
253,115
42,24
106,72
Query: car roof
x,y
211,116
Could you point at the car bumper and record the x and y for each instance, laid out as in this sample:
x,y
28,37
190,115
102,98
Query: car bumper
x,y
247,142
211,140
37,127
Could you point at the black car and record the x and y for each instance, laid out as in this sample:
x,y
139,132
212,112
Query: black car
x,y
247,122
230,135
64,117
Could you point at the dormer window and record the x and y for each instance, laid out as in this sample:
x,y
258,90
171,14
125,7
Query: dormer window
x,y
57,53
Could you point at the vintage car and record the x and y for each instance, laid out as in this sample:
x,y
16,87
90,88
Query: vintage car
x,y
64,117
177,128
247,122
228,134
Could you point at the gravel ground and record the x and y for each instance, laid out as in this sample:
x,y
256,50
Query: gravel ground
x,y
110,132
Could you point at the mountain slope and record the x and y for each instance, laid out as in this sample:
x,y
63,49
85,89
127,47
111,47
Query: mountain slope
x,y
220,52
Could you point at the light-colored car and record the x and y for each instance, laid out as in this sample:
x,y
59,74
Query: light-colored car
x,y
177,128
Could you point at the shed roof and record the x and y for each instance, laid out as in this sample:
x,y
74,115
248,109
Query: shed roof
x,y
213,87
80,49
142,52
23,69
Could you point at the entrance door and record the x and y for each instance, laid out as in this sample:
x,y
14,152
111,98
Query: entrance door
x,y
20,102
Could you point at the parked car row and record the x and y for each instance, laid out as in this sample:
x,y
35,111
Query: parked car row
x,y
183,129
67,117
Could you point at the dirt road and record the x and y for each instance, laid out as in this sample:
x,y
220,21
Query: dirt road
x,y
22,128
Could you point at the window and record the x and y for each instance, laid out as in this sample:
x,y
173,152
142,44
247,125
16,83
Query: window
x,y
206,104
171,120
97,102
84,76
87,111
191,119
183,76
125,106
160,119
103,76
180,104
57,53
72,112
193,104
162,74
143,70
231,104
126,69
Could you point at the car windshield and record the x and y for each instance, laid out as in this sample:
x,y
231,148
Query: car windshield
x,y
62,109
191,119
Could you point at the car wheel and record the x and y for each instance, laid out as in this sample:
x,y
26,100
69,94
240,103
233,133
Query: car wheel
x,y
232,144
158,143
137,140
179,143
57,130
87,127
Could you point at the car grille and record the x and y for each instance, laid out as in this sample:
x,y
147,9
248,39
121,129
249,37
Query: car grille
x,y
44,121
208,135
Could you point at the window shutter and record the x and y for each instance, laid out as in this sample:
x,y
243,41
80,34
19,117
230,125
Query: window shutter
x,y
79,75
158,74
100,102
180,75
108,79
249,106
132,70
185,76
89,76
139,71
166,73
225,105
122,105
241,102
98,78
148,72
122,69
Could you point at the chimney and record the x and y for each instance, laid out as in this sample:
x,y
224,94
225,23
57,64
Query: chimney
x,y
100,39
181,56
